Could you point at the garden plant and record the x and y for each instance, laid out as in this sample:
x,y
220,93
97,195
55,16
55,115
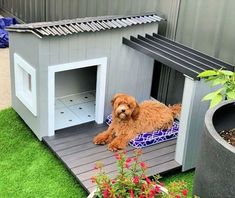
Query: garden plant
x,y
225,80
131,181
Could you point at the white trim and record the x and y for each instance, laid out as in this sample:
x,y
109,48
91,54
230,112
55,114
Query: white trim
x,y
101,64
185,118
21,71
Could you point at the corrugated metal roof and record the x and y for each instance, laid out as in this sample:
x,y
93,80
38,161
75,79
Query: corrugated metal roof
x,y
175,55
88,24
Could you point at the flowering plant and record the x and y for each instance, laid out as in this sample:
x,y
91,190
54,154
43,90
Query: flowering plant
x,y
131,180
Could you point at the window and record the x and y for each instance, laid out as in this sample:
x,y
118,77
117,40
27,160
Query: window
x,y
25,83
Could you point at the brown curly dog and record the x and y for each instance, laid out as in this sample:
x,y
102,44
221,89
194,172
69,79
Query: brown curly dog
x,y
130,119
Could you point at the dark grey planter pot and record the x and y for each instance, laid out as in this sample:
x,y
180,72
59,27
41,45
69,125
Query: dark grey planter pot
x,y
215,170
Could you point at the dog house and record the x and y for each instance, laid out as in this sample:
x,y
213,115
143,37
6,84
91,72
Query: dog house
x,y
69,70
65,73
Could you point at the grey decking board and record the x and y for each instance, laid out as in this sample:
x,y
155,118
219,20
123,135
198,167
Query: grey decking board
x,y
77,141
79,156
69,132
110,163
105,154
100,150
110,160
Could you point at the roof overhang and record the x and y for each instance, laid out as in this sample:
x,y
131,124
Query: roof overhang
x,y
175,55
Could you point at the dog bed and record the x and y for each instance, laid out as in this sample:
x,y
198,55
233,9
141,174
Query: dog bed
x,y
149,139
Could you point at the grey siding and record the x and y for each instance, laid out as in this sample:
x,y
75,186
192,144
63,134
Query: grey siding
x,y
208,26
127,70
18,45
25,10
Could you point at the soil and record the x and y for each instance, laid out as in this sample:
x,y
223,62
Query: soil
x,y
229,136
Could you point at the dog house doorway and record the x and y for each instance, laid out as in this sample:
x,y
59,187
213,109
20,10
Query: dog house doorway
x,y
76,93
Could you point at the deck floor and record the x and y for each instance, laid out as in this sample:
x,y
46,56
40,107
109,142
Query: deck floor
x,y
74,147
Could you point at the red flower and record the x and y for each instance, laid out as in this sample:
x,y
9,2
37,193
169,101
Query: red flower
x,y
148,180
185,192
106,193
136,179
162,184
113,181
128,160
157,189
141,196
132,194
127,165
143,165
152,192
117,156
177,196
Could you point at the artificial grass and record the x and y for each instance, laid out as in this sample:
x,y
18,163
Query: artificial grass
x,y
29,169
185,176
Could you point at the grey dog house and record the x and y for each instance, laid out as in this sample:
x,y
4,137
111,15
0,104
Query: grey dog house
x,y
65,73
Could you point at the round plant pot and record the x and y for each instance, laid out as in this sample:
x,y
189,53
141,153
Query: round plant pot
x,y
215,169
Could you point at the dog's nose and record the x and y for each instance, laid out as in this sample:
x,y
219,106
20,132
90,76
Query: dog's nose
x,y
123,110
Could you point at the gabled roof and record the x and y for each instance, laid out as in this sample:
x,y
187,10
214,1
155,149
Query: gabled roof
x,y
88,24
175,55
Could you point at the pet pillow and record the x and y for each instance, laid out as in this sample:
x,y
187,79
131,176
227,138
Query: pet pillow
x,y
152,138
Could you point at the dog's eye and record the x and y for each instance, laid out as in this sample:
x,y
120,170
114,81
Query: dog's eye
x,y
129,106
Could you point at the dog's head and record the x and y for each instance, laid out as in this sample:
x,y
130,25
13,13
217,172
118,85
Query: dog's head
x,y
125,107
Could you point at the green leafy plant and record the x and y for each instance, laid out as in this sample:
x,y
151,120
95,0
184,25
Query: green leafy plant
x,y
225,80
131,181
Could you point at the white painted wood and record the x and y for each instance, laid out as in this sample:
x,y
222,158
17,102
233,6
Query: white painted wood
x,y
101,64
25,83
185,118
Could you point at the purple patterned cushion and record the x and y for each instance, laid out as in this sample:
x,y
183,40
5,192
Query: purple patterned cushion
x,y
151,138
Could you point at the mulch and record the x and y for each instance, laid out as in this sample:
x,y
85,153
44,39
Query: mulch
x,y
229,136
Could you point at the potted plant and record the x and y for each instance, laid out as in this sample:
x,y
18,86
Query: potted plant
x,y
131,181
215,169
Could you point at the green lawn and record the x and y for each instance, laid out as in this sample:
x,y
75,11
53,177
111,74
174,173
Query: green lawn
x,y
29,169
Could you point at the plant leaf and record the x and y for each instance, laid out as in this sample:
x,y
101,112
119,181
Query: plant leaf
x,y
216,100
227,72
218,81
231,94
211,95
207,73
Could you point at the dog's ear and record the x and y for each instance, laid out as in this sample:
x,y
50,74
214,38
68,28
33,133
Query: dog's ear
x,y
115,97
136,111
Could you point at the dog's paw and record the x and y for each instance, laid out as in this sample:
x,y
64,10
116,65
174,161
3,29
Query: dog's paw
x,y
100,139
114,146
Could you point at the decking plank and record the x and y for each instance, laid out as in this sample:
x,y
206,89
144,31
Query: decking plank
x,y
102,150
110,160
74,147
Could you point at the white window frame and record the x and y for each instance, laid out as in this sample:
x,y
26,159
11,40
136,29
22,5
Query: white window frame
x,y
22,92
101,64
